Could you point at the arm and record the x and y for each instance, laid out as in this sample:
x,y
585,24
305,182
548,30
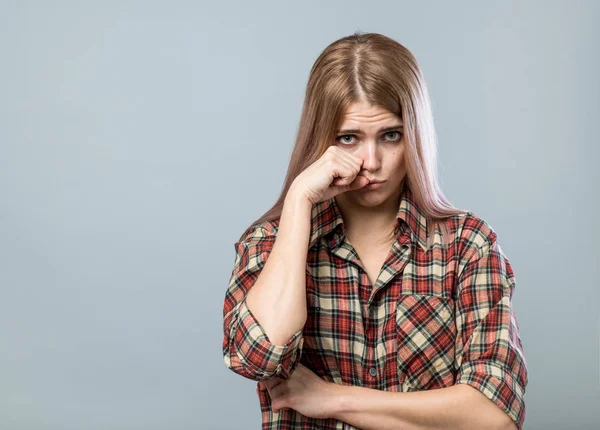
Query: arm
x,y
265,304
489,390
456,407
489,354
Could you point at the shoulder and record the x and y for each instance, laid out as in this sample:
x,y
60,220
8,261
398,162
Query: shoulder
x,y
259,232
254,246
474,236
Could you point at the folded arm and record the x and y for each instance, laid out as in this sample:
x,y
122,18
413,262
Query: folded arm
x,y
458,407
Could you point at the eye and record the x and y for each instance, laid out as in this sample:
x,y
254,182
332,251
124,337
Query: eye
x,y
392,133
344,141
343,138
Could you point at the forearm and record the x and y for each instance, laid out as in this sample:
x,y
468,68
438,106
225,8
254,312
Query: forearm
x,y
457,407
278,298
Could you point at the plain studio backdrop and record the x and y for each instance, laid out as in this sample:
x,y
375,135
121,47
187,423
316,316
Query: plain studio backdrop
x,y
139,139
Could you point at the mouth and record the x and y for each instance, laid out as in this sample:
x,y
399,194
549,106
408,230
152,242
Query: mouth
x,y
372,186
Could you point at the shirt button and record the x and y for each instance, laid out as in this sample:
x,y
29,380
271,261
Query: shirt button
x,y
373,371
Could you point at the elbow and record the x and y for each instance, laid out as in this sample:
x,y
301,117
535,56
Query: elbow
x,y
259,363
233,363
510,425
505,423
248,351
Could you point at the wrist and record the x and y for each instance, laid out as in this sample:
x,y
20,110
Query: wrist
x,y
339,395
298,196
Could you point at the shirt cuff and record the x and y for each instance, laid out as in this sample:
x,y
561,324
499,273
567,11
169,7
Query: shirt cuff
x,y
254,349
498,385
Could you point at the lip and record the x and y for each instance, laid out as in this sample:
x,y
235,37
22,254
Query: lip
x,y
372,186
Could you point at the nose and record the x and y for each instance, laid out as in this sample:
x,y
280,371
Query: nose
x,y
369,152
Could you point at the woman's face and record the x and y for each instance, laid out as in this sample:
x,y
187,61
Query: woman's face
x,y
376,136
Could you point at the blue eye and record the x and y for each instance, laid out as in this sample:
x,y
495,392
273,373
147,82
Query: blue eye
x,y
344,135
342,138
395,132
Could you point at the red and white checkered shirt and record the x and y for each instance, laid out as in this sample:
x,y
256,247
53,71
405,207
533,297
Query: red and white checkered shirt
x,y
435,316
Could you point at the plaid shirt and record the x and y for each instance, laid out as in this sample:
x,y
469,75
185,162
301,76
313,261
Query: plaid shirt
x,y
434,318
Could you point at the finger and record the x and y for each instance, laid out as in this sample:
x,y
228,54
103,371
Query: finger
x,y
353,159
344,154
347,174
342,169
271,383
277,391
359,182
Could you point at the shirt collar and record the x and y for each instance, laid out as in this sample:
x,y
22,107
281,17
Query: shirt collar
x,y
326,216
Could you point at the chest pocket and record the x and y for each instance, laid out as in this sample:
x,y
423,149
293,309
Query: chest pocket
x,y
425,332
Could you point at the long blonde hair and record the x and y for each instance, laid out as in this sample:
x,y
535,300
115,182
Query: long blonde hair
x,y
374,68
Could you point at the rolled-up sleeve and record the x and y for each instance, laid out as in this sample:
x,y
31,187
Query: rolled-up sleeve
x,y
489,353
247,349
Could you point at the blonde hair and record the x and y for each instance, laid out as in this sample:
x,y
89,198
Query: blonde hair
x,y
374,68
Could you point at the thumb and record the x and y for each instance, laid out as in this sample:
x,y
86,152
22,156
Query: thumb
x,y
359,182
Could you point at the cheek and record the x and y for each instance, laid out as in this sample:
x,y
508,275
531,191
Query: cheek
x,y
396,161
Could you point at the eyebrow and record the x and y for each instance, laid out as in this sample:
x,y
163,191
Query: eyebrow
x,y
357,131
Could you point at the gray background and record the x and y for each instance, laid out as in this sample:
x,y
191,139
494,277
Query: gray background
x,y
139,139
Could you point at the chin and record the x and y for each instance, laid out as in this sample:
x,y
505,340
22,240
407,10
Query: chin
x,y
370,198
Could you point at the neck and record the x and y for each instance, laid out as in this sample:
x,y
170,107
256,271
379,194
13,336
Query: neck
x,y
372,224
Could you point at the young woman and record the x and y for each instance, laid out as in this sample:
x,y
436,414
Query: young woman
x,y
363,298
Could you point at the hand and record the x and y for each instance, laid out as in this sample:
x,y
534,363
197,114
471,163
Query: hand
x,y
335,172
304,392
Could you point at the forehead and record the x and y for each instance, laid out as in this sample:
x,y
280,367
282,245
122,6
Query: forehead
x,y
367,113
